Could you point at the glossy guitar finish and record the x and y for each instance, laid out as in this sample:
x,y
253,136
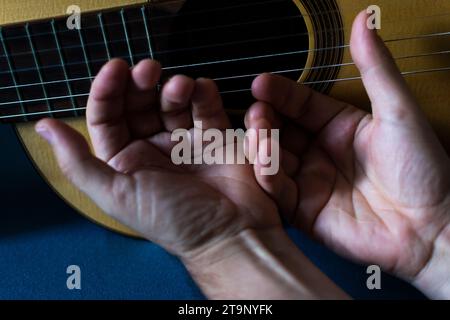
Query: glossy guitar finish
x,y
400,19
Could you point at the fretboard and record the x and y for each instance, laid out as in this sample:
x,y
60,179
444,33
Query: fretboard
x,y
46,69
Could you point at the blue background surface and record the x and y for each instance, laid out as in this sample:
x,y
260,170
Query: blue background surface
x,y
40,236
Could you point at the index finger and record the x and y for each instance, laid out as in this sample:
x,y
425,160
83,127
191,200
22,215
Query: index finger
x,y
105,110
312,110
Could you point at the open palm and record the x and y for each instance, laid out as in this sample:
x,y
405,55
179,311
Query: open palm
x,y
184,208
375,187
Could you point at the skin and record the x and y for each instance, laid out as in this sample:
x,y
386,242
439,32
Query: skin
x,y
183,208
373,187
215,218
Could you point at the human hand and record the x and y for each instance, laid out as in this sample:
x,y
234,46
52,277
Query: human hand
x,y
216,218
375,188
186,209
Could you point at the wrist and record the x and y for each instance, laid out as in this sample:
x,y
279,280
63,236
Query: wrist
x,y
434,278
259,264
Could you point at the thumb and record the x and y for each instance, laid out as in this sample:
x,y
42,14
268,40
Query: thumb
x,y
89,174
390,96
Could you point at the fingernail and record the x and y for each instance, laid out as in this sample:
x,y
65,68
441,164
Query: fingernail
x,y
45,133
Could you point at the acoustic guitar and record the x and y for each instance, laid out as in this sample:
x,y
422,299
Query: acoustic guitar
x,y
47,63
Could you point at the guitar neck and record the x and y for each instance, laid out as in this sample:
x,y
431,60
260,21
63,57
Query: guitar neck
x,y
47,69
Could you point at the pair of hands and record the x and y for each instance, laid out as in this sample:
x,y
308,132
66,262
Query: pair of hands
x,y
373,187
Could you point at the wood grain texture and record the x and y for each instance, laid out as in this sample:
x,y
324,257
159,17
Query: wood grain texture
x,y
400,19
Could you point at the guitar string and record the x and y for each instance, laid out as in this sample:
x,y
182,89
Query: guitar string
x,y
165,34
101,43
346,46
344,64
151,19
43,113
262,21
292,70
404,73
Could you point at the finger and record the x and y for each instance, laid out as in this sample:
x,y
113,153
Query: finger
x,y
105,110
88,173
262,110
387,90
142,107
289,160
176,103
293,139
163,141
141,154
142,87
299,103
259,113
275,182
207,106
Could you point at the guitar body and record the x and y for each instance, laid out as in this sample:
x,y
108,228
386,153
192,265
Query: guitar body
x,y
399,19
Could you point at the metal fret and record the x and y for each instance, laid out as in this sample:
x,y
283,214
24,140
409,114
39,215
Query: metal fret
x,y
86,59
105,39
125,30
13,76
147,32
38,67
63,66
